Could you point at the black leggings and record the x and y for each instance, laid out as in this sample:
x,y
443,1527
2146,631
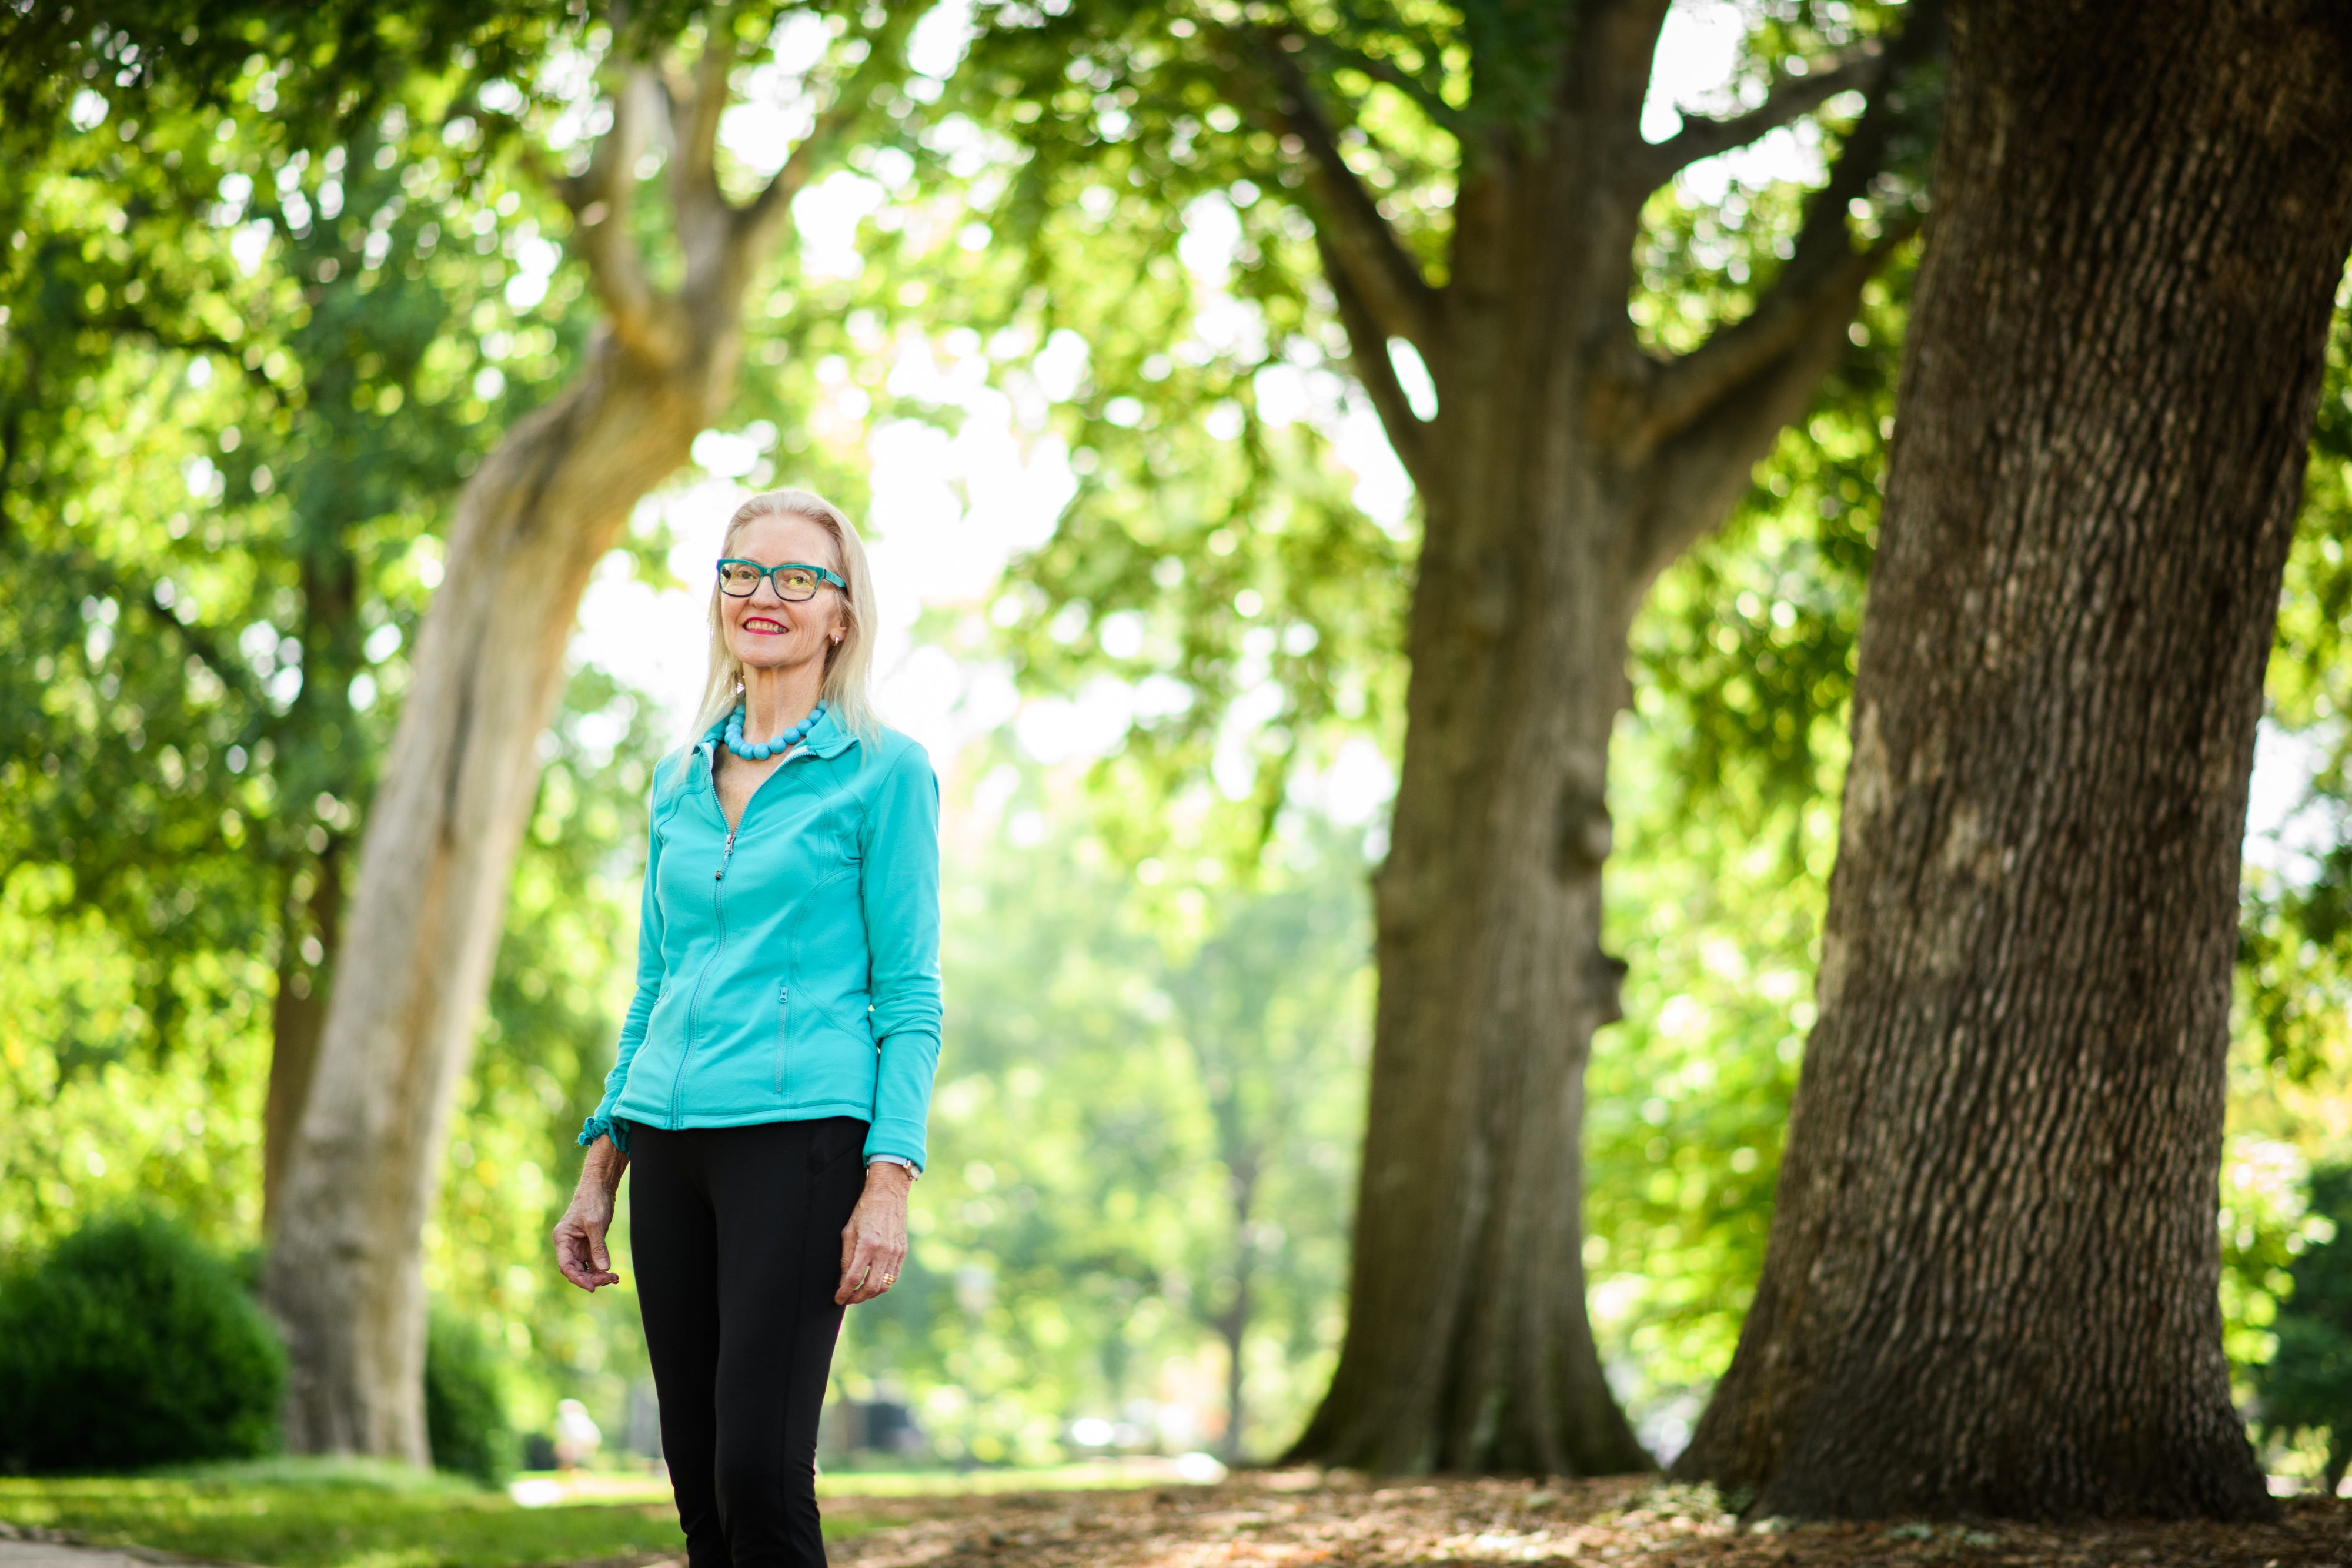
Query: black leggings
x,y
735,1237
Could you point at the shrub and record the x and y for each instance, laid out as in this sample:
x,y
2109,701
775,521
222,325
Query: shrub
x,y
465,1403
131,1346
2306,1387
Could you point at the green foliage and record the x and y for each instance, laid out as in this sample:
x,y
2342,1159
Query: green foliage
x,y
130,1345
464,1401
1149,1104
1724,783
2290,1051
2295,955
2307,1385
1168,214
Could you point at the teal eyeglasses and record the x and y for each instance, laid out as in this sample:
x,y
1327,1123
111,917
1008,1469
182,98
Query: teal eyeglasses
x,y
796,583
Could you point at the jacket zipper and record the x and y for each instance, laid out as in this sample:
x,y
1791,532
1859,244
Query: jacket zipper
x,y
694,1003
718,907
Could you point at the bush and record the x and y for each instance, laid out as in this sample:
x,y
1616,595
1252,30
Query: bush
x,y
465,1403
131,1346
2306,1387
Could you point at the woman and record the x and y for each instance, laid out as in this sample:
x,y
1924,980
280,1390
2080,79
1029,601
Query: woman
x,y
775,1069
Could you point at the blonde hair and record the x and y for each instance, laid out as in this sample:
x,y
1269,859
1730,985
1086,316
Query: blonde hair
x,y
847,662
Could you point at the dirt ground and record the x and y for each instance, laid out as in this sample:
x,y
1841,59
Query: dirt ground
x,y
1279,1518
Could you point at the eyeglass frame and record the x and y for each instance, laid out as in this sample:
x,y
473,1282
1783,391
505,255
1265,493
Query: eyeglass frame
x,y
769,572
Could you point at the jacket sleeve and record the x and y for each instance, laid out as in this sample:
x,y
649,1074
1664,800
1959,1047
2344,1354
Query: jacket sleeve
x,y
899,883
649,985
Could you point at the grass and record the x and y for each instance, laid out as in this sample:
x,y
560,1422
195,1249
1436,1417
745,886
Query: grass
x,y
290,1513
355,1513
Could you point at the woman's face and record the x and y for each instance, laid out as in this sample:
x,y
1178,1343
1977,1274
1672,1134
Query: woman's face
x,y
762,630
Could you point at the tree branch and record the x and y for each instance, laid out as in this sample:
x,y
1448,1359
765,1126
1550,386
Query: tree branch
x,y
1368,355
1698,471
1387,280
1823,268
599,198
1681,391
695,108
1790,97
1430,101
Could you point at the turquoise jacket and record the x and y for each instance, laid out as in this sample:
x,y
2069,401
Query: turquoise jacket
x,y
790,969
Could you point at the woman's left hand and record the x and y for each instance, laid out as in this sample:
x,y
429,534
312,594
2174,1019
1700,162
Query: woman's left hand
x,y
874,1243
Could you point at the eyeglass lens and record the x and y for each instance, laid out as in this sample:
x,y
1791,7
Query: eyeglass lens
x,y
793,584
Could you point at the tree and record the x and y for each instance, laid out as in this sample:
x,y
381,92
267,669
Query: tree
x,y
1470,198
1991,1285
421,922
197,724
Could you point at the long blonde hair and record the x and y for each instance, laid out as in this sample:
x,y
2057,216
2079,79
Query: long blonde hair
x,y
847,663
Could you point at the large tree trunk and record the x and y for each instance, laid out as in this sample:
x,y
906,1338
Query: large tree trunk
x,y
421,932
1990,1286
423,928
1564,469
1468,1348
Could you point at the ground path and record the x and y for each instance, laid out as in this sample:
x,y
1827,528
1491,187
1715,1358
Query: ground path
x,y
1279,1520
51,1549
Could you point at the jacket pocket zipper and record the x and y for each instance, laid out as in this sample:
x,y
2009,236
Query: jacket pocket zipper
x,y
784,1012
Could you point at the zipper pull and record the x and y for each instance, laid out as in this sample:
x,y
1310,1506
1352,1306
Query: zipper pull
x,y
727,854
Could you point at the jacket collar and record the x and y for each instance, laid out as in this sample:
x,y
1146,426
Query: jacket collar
x,y
829,738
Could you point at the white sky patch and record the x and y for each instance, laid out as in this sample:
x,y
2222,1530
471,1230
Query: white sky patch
x,y
250,245
1412,375
1697,50
826,217
536,260
1212,232
936,45
775,112
1064,729
1354,788
2287,829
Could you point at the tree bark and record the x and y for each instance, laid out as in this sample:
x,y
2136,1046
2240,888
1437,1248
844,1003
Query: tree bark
x,y
1565,468
1992,1281
298,1017
344,1275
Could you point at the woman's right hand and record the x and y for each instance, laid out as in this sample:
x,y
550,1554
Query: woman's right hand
x,y
579,1250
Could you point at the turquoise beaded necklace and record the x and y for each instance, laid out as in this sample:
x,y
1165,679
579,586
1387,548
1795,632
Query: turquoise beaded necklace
x,y
761,752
